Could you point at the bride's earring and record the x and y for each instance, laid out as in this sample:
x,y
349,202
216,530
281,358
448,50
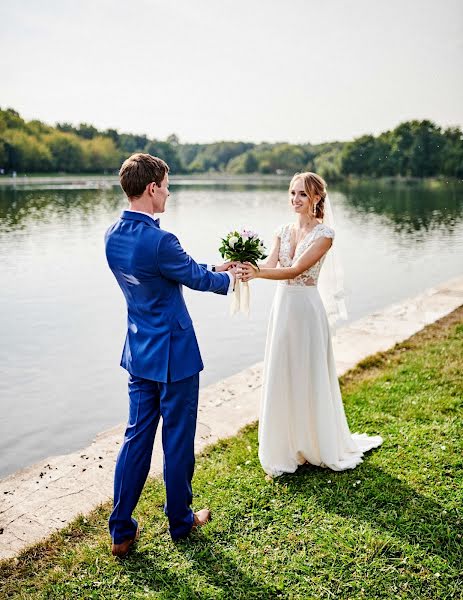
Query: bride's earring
x,y
314,210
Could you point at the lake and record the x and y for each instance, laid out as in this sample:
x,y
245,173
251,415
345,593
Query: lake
x,y
63,317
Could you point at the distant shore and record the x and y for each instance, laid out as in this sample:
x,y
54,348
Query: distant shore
x,y
88,180
103,181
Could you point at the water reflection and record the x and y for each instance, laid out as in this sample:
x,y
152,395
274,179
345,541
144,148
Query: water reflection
x,y
405,208
408,209
20,209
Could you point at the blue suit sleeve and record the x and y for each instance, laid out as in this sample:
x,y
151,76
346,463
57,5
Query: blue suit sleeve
x,y
176,264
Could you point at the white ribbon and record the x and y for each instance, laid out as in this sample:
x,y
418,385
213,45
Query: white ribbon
x,y
240,298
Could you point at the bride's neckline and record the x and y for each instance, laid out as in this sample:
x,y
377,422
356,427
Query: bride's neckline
x,y
291,228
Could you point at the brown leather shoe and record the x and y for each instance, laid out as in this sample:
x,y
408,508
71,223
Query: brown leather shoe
x,y
200,518
121,550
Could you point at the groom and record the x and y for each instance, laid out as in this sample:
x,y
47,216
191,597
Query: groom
x,y
161,353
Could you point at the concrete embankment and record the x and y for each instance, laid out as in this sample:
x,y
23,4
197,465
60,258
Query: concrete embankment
x,y
46,496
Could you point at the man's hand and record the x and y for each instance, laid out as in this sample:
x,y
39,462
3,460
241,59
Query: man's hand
x,y
227,266
233,271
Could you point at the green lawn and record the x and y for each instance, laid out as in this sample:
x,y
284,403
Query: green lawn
x,y
389,529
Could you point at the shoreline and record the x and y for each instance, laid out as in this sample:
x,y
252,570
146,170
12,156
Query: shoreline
x,y
46,496
98,180
88,180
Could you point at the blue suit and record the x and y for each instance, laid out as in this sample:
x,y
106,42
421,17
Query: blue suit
x,y
162,357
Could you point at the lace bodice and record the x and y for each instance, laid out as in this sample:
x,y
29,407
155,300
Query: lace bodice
x,y
309,277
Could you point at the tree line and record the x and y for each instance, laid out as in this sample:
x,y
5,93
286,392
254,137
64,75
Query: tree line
x,y
412,149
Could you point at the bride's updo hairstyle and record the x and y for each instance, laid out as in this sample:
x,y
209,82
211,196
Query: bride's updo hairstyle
x,y
314,185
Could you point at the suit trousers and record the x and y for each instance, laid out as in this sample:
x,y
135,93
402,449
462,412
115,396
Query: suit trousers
x,y
177,403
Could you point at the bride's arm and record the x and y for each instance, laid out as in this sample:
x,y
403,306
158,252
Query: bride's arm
x,y
310,257
272,259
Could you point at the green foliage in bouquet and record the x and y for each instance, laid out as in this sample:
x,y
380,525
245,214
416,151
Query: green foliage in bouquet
x,y
243,246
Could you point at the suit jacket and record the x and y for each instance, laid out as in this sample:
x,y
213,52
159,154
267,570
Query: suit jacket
x,y
151,267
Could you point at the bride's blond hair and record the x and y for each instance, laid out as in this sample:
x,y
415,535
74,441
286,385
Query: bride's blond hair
x,y
314,185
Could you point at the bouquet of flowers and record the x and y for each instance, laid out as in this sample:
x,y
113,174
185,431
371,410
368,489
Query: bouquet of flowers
x,y
242,246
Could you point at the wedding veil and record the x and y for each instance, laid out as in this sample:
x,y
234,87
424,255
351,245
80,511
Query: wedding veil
x,y
331,280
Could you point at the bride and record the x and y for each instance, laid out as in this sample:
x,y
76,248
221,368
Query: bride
x,y
302,417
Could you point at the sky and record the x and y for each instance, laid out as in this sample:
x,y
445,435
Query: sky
x,y
252,70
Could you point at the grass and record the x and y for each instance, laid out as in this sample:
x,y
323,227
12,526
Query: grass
x,y
389,529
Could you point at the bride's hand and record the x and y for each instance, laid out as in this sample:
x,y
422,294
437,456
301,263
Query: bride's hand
x,y
247,271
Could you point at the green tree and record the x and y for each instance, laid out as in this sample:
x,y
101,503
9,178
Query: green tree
x,y
328,164
426,150
24,153
66,128
173,140
112,134
168,153
284,158
3,155
188,152
215,157
401,140
100,154
86,131
366,155
37,128
67,152
452,153
244,163
10,119
129,144
416,148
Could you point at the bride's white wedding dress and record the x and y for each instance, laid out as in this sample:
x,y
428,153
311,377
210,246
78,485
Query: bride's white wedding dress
x,y
302,417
